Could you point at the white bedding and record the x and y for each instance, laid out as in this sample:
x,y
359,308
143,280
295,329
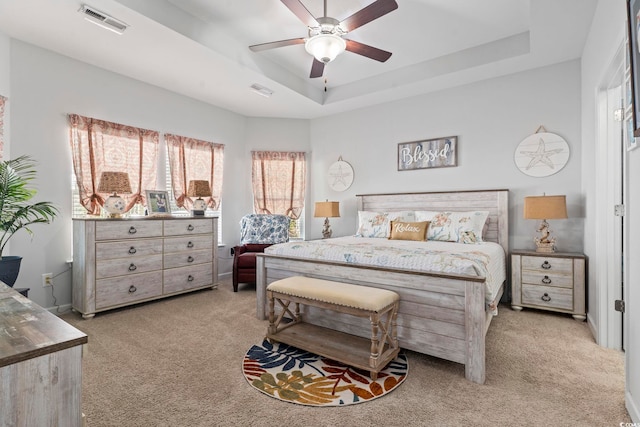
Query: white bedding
x,y
485,259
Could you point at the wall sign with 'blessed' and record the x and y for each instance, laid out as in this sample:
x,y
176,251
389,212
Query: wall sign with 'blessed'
x,y
429,153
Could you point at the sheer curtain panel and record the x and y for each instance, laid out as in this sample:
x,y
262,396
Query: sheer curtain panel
x,y
99,146
194,159
278,179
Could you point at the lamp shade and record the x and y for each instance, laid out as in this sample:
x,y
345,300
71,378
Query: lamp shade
x,y
114,182
545,207
325,47
199,188
327,210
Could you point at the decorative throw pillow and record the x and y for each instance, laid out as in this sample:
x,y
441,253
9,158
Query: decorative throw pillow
x,y
408,230
264,228
376,224
462,227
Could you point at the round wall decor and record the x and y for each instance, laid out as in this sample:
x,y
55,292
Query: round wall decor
x,y
542,154
340,175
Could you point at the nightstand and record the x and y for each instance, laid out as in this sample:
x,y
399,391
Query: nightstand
x,y
549,281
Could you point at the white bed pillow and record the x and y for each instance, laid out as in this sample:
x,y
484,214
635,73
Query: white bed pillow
x,y
378,224
461,227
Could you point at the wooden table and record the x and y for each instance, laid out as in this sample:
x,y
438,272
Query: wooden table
x,y
40,365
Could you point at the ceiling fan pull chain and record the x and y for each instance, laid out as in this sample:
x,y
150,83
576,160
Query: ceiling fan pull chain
x,y
325,82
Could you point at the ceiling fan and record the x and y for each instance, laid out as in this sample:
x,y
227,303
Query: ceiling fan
x,y
326,35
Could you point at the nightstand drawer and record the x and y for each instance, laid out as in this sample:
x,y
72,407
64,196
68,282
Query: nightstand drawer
x,y
547,264
547,279
547,297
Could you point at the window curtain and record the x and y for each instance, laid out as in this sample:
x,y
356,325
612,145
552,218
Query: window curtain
x,y
98,146
191,159
2,102
278,180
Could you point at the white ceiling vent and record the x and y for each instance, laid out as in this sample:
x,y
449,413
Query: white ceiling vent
x,y
102,19
261,90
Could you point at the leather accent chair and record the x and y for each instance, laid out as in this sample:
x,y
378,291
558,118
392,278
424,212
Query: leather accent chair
x,y
257,232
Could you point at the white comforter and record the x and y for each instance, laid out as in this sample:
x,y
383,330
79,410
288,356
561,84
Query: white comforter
x,y
485,259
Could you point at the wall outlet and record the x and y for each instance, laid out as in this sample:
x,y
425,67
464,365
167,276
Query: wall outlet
x,y
46,279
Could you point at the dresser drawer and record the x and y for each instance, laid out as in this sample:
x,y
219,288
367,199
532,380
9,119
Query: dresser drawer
x,y
184,278
133,265
116,230
547,279
184,259
547,297
188,226
188,243
547,264
126,290
128,249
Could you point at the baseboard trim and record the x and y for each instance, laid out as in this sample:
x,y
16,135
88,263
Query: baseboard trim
x,y
224,275
59,310
633,410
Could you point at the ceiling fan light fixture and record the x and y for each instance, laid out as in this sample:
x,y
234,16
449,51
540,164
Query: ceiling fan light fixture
x,y
325,47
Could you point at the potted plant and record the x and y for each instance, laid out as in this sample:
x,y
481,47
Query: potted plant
x,y
16,211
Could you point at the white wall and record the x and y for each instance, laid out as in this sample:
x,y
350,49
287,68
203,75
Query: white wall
x,y
45,87
490,119
5,87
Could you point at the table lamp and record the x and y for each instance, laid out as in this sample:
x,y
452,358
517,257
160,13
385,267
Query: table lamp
x,y
199,188
327,210
114,182
544,208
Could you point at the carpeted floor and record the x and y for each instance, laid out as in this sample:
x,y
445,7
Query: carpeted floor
x,y
178,362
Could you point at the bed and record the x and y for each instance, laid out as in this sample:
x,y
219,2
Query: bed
x,y
443,314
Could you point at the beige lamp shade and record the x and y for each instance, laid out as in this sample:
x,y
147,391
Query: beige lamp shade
x,y
199,188
327,210
545,207
114,182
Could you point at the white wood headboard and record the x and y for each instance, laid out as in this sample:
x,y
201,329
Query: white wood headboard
x,y
494,201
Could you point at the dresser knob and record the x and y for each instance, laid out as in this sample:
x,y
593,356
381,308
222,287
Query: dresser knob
x,y
190,227
132,289
546,280
190,259
132,230
132,250
545,297
132,267
546,265
190,244
190,278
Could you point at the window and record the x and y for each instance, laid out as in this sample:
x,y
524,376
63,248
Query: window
x,y
279,186
98,146
2,102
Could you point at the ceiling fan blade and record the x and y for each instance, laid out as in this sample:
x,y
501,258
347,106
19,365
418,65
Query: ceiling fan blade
x,y
374,11
301,12
368,51
273,45
317,68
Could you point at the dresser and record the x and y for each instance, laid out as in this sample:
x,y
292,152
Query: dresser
x,y
549,281
118,262
40,365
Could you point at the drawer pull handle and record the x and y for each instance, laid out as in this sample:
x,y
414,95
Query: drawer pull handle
x,y
190,244
546,265
545,297
190,278
132,289
190,227
132,267
190,259
132,230
132,250
546,280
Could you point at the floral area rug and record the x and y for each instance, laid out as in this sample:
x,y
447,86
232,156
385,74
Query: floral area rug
x,y
297,376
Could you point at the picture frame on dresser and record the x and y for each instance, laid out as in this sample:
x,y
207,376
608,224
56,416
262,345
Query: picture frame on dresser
x,y
158,202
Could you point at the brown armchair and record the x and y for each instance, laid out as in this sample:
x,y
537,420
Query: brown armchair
x,y
257,232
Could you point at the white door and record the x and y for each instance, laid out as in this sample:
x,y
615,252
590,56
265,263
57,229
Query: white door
x,y
632,283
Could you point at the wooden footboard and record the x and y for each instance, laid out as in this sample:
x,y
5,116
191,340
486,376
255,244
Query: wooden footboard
x,y
441,315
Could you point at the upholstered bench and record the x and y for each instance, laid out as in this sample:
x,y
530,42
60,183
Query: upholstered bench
x,y
379,305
